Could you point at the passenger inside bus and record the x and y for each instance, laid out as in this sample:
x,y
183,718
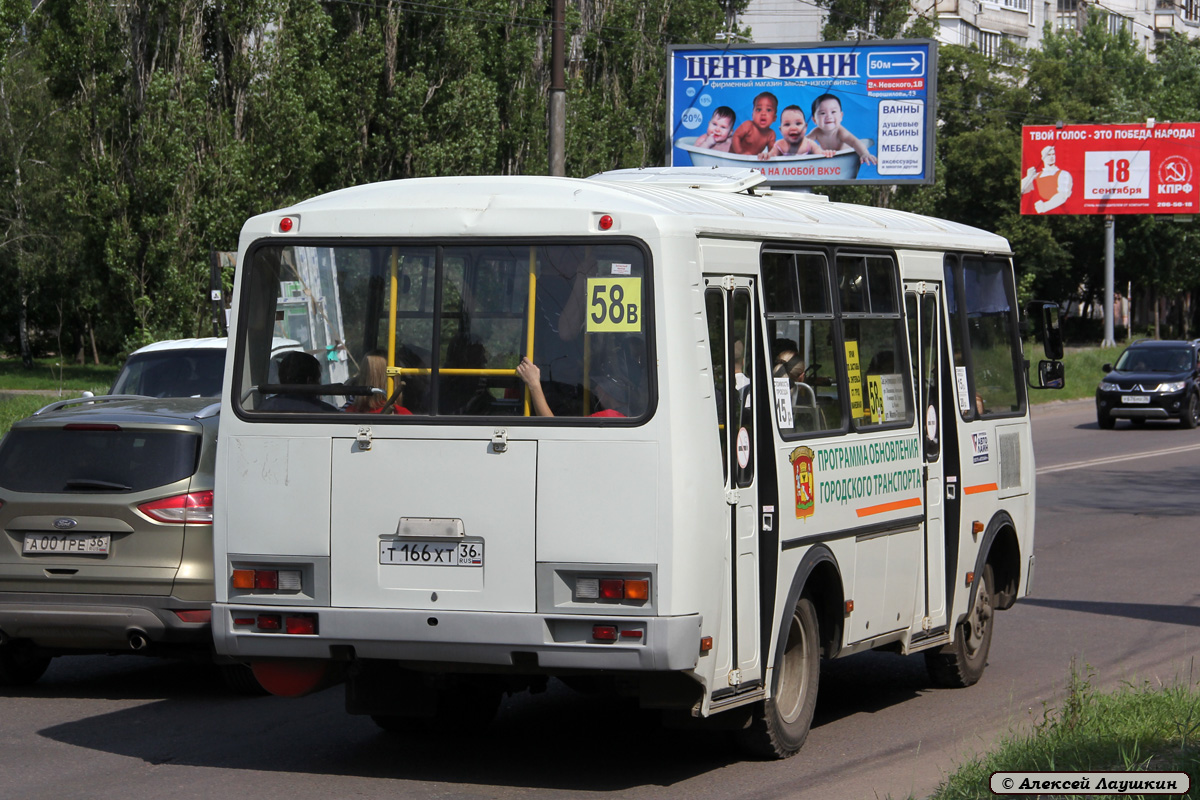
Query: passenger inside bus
x,y
297,369
789,364
612,394
374,374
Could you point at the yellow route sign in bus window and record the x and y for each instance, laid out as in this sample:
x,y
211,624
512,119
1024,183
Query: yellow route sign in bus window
x,y
875,398
854,373
614,305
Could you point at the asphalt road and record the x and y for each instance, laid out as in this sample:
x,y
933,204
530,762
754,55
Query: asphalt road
x,y
1116,594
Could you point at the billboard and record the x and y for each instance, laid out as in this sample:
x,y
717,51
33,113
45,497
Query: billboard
x,y
811,114
1144,168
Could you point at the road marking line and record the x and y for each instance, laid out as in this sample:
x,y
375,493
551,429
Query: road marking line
x,y
1096,462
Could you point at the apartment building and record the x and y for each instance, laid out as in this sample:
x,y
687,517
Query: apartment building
x,y
987,24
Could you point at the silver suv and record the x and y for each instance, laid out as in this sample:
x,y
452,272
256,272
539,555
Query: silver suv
x,y
106,517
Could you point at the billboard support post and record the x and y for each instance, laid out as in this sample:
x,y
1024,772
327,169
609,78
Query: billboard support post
x,y
1110,246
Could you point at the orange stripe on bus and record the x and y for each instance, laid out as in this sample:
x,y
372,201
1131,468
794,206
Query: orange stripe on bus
x,y
983,487
909,503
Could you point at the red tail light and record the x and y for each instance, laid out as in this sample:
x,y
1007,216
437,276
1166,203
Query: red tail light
x,y
194,508
196,615
91,426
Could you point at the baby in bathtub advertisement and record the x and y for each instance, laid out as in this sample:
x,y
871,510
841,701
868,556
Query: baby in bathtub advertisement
x,y
807,114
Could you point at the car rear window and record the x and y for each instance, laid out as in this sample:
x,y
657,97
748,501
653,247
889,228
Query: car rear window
x,y
173,373
95,461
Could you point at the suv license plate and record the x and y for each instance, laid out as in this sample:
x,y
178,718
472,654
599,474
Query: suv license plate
x,y
432,552
1135,398
67,543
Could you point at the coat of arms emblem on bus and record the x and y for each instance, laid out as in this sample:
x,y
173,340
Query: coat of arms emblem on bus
x,y
802,471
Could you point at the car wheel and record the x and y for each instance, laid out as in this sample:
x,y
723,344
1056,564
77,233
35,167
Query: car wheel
x,y
1105,420
961,664
21,665
1191,413
780,725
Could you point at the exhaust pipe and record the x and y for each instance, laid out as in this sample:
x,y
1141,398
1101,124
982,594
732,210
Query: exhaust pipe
x,y
138,640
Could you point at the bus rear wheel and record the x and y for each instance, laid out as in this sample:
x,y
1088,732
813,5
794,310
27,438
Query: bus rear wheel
x,y
961,664
780,724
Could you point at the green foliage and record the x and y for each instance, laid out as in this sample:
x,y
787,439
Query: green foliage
x,y
1136,728
136,137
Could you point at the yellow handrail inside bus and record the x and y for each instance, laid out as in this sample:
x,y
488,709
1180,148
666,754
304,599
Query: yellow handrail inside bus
x,y
530,318
395,293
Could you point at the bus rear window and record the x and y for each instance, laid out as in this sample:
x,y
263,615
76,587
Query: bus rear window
x,y
414,331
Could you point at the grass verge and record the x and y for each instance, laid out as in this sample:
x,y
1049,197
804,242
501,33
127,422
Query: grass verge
x,y
1144,728
48,376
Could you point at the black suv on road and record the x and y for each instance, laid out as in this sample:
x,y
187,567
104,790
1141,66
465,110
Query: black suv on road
x,y
1151,380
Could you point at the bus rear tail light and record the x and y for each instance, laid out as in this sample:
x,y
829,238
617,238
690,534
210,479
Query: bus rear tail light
x,y
632,590
301,624
604,633
612,589
269,622
282,580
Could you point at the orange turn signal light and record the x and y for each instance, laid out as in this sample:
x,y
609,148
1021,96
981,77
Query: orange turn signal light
x,y
970,578
706,644
243,579
637,590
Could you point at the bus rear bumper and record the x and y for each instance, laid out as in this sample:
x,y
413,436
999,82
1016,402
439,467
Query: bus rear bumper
x,y
467,637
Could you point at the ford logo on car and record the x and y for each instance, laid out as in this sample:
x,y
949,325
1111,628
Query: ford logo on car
x,y
65,523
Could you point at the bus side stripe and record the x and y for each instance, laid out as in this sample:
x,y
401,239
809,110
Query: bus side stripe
x,y
982,487
912,502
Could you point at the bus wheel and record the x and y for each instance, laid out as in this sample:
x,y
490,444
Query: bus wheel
x,y
961,664
780,725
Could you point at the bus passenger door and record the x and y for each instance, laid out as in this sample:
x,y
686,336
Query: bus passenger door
x,y
923,308
729,303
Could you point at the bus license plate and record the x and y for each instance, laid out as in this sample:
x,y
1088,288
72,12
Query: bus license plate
x,y
431,552
1135,398
67,543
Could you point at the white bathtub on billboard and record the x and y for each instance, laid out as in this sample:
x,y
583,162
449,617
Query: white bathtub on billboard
x,y
842,166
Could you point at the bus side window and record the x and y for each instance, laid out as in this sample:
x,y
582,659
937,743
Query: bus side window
x,y
875,343
801,342
714,307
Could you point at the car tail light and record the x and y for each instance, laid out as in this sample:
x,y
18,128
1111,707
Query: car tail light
x,y
91,426
193,508
195,615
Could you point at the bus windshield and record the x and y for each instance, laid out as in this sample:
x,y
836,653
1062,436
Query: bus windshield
x,y
425,330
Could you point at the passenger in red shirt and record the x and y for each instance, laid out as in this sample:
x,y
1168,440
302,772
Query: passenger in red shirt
x,y
606,389
375,375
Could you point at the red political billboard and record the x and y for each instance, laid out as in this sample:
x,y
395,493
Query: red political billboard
x,y
1144,168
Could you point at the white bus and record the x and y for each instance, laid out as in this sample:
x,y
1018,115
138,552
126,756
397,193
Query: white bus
x,y
657,426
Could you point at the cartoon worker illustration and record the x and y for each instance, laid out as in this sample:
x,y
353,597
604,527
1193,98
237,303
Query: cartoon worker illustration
x,y
1052,185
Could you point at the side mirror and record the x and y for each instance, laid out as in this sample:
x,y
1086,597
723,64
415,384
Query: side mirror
x,y
1052,338
1051,375
1106,367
